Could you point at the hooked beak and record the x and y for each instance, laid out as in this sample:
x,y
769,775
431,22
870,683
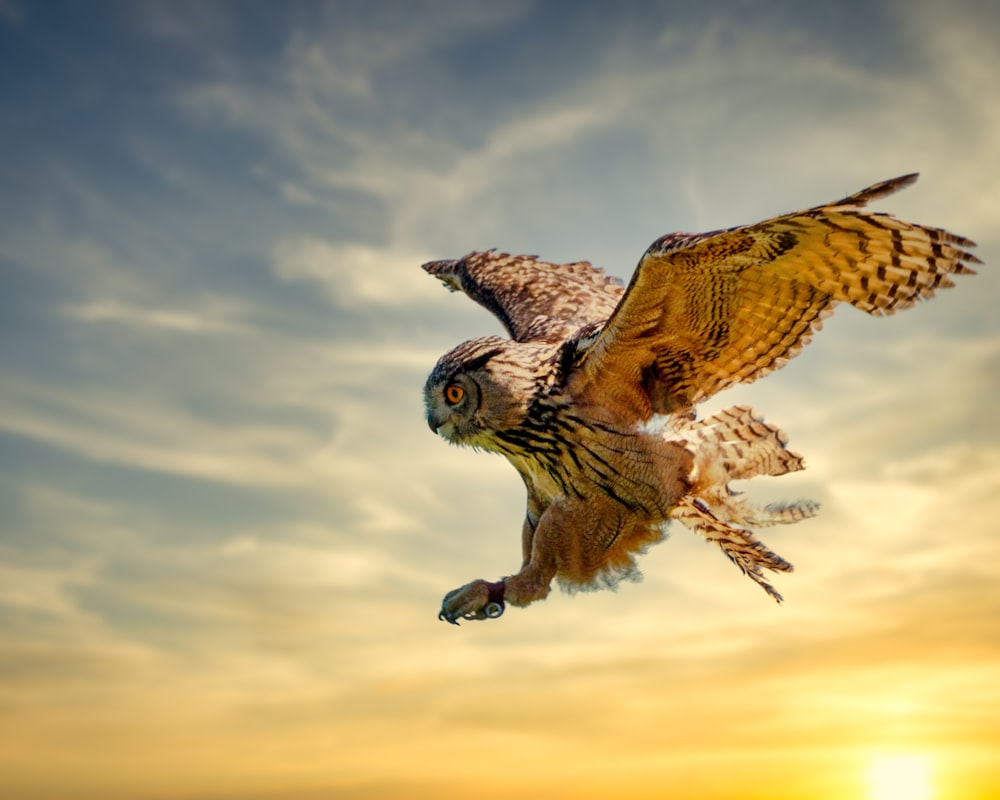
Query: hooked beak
x,y
436,417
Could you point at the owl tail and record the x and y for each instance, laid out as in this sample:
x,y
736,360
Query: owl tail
x,y
735,444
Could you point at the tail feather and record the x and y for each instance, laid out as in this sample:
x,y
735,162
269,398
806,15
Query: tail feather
x,y
742,512
740,545
737,444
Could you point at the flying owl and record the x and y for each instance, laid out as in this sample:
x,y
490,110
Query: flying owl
x,y
592,399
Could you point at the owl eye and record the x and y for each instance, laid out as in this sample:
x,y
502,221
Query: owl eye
x,y
454,394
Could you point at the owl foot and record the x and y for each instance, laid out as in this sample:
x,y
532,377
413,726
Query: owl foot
x,y
477,600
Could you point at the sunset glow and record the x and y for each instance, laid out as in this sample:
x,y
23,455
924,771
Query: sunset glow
x,y
902,776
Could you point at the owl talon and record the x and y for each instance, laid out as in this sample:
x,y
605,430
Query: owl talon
x,y
474,601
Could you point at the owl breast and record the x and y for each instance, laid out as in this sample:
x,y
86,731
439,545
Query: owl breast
x,y
559,453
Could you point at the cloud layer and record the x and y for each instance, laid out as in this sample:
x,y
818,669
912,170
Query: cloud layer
x,y
224,527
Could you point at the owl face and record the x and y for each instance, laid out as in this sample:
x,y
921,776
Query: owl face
x,y
472,393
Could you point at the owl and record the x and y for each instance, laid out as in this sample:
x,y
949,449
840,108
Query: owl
x,y
592,398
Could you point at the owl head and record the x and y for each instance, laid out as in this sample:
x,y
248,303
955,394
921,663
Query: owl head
x,y
479,389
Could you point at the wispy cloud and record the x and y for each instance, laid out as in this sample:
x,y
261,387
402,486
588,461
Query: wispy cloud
x,y
225,525
179,320
102,427
356,275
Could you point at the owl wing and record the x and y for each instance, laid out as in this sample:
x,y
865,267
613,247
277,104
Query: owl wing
x,y
705,311
535,300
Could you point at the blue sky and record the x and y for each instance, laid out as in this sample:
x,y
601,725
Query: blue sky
x,y
224,527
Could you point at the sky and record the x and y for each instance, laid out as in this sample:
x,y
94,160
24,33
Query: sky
x,y
225,530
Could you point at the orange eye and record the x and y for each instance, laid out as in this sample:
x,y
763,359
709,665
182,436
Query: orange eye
x,y
454,394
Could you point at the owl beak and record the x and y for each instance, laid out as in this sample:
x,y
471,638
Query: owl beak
x,y
435,419
441,425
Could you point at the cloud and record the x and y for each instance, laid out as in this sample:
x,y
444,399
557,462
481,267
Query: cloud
x,y
177,320
357,275
101,426
463,182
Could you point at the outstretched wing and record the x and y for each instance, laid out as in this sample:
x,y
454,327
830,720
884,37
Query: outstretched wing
x,y
705,311
535,300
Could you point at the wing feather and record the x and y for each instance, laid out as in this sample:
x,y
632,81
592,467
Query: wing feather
x,y
534,300
705,311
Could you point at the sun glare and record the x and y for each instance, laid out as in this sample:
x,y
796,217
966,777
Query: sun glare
x,y
901,776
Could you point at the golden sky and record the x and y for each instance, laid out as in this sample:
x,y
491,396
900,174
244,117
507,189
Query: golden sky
x,y
225,530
